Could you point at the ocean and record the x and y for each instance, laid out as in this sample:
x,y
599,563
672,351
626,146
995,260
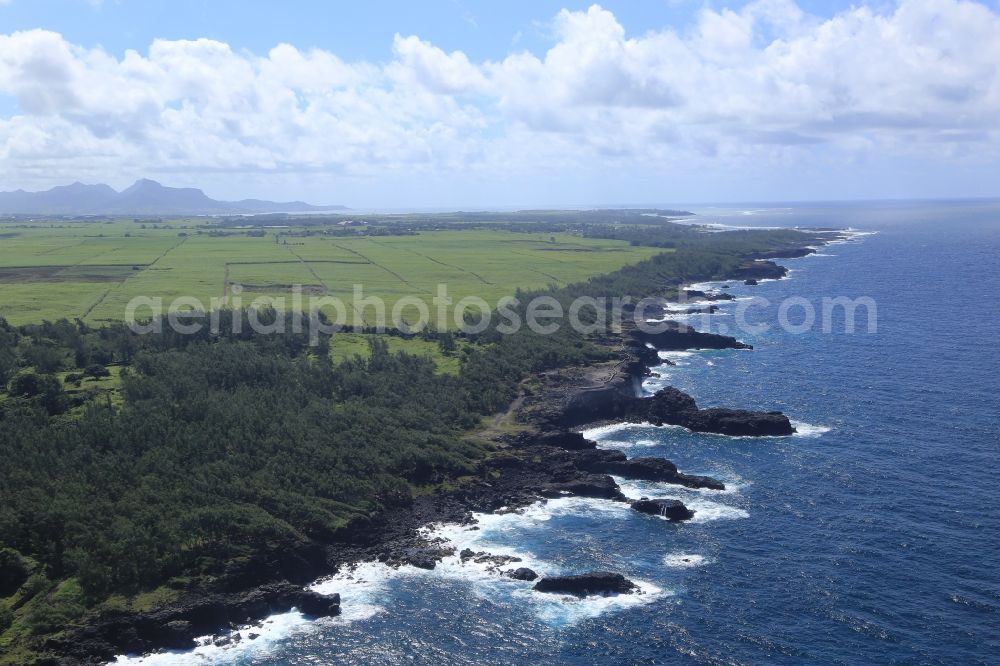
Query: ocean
x,y
871,536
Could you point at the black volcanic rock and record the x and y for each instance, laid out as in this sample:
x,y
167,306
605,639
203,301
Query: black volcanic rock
x,y
668,406
750,282
579,406
739,422
566,439
582,585
671,406
698,295
643,356
759,270
645,469
176,625
787,253
319,605
176,635
600,486
707,309
671,509
420,557
674,336
522,573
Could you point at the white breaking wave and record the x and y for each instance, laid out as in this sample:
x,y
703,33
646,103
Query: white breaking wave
x,y
364,588
680,307
705,510
712,286
496,531
267,633
568,610
601,434
675,355
684,560
853,236
361,588
808,430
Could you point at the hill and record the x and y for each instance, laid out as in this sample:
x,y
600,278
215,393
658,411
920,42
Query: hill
x,y
144,197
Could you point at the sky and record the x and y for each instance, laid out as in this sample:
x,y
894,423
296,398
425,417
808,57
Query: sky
x,y
461,104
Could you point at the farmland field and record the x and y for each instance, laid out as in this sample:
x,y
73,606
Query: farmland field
x,y
91,270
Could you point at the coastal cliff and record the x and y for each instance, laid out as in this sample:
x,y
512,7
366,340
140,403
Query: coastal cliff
x,y
545,458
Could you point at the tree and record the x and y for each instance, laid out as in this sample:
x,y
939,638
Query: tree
x,y
45,389
13,572
46,357
96,370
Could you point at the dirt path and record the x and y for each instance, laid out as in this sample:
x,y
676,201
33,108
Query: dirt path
x,y
386,269
504,420
93,306
312,271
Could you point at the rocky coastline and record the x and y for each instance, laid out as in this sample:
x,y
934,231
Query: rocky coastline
x,y
548,459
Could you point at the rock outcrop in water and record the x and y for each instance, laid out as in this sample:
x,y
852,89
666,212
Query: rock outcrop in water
x,y
600,486
740,423
674,336
698,295
671,509
643,469
788,253
616,401
582,585
671,406
420,557
522,573
759,270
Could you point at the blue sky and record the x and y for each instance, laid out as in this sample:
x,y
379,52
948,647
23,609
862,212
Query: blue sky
x,y
459,104
360,30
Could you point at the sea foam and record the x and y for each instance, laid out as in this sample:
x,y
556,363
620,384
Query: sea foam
x,y
684,560
705,509
803,429
560,610
269,632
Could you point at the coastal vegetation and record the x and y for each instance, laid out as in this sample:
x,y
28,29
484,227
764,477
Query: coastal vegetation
x,y
137,467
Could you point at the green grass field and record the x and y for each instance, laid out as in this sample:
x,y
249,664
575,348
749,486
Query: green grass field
x,y
347,345
91,270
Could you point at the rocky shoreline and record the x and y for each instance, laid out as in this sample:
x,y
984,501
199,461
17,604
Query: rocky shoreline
x,y
547,460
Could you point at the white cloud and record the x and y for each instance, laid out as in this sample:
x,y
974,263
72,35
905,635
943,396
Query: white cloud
x,y
764,85
424,64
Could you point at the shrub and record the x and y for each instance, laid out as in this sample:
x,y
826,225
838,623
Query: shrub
x,y
6,618
96,370
13,571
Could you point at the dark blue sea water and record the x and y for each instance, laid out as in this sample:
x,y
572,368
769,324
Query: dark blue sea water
x,y
872,537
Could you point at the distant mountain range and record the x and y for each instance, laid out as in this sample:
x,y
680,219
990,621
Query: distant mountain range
x,y
144,197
